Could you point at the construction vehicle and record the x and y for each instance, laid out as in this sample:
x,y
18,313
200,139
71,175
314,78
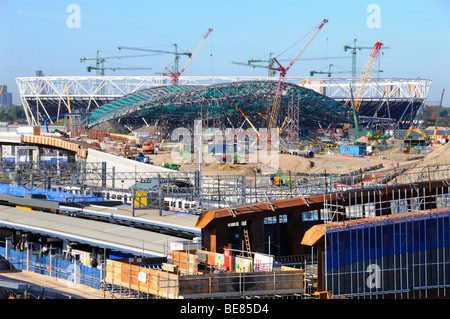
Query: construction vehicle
x,y
277,99
160,147
127,153
142,158
139,157
412,129
171,166
409,140
148,147
281,179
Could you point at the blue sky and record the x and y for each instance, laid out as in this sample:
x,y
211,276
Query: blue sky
x,y
36,36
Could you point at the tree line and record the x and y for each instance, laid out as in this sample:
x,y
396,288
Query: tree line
x,y
12,114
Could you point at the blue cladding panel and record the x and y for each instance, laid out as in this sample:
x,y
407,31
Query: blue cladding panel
x,y
358,244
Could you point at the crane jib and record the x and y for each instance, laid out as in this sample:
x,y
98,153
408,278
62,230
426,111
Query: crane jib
x,y
274,112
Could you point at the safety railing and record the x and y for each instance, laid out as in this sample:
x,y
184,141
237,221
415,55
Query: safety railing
x,y
390,242
73,272
131,281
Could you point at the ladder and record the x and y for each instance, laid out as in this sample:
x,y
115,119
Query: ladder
x,y
247,243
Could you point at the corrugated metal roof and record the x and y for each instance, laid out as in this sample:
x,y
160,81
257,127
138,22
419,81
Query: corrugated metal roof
x,y
100,234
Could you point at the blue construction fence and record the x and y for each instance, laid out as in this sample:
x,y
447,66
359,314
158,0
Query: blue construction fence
x,y
384,257
50,194
56,267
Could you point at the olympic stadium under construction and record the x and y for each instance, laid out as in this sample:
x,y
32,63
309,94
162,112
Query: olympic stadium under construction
x,y
274,229
306,102
282,217
263,235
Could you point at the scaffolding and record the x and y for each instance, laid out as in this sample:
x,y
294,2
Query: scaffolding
x,y
391,242
191,192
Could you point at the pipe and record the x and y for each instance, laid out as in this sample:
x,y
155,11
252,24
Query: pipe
x,y
306,153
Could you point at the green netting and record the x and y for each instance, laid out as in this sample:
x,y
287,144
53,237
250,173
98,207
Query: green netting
x,y
219,100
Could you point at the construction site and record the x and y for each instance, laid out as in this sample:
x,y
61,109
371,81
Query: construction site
x,y
227,187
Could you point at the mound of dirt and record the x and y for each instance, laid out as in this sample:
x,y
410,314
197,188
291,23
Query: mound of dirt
x,y
393,141
430,162
227,167
294,163
113,127
439,156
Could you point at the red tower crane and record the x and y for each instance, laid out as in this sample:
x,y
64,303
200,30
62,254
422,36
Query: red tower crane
x,y
276,102
176,76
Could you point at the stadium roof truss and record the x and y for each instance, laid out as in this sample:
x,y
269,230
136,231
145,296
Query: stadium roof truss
x,y
218,100
46,97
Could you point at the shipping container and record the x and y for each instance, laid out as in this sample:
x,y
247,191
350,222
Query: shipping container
x,y
353,150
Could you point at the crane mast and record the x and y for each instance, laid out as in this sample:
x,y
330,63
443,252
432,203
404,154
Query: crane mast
x,y
277,99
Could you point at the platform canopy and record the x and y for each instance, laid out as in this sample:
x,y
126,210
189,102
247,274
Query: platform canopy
x,y
255,98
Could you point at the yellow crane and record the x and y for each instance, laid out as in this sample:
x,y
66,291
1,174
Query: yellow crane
x,y
365,77
68,99
1,91
246,118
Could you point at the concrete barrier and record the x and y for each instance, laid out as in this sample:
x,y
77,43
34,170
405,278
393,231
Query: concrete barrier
x,y
10,138
122,164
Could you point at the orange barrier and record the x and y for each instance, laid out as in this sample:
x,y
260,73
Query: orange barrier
x,y
55,142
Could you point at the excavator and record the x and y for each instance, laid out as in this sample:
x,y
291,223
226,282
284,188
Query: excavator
x,y
139,157
412,129
148,147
